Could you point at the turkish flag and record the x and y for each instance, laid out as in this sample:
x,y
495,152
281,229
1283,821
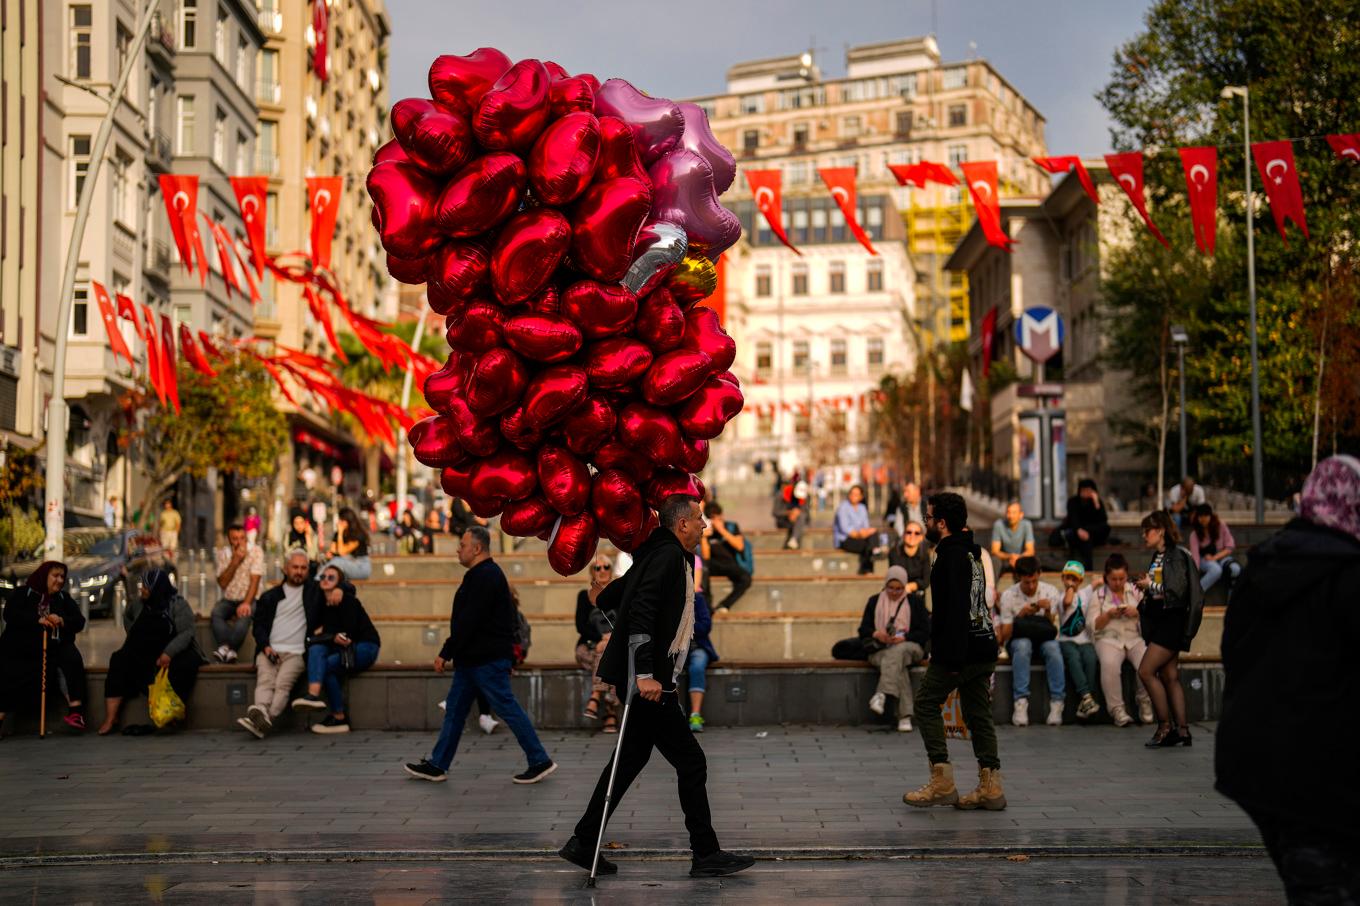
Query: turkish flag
x,y
247,272
1346,146
181,207
841,182
225,256
278,379
209,347
981,178
1275,163
988,338
110,317
320,20
169,375
1067,163
127,310
1201,184
251,195
192,354
153,356
920,174
323,197
767,188
1127,170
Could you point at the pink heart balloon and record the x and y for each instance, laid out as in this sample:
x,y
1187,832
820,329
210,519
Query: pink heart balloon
x,y
497,382
479,436
434,442
694,454
588,425
461,273
516,429
615,455
552,393
390,150
669,482
657,123
482,195
705,413
477,328
528,517
507,474
616,361
515,110
616,504
460,83
527,251
414,271
660,322
570,95
685,194
676,376
456,481
605,225
618,152
543,338
441,385
599,309
651,431
698,137
573,543
704,333
564,157
403,208
435,138
564,479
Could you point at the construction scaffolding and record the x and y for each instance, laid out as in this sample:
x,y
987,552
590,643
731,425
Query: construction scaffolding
x,y
932,233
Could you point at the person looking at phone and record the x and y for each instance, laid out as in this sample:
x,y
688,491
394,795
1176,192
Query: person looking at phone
x,y
1112,611
1029,619
341,642
280,631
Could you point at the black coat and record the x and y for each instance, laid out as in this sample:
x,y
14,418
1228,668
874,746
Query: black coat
x,y
1291,680
920,620
649,600
22,638
267,606
960,633
348,617
482,622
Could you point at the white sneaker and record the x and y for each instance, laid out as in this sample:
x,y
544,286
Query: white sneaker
x,y
444,705
1145,713
1020,716
488,724
221,653
231,655
1120,716
792,544
877,702
260,717
1055,710
904,725
249,726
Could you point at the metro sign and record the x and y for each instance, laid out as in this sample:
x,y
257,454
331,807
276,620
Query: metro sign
x,y
1039,333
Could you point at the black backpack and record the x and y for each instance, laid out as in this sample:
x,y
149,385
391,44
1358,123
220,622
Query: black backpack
x,y
523,637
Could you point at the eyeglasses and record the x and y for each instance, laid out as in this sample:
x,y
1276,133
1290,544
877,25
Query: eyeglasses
x,y
329,577
601,568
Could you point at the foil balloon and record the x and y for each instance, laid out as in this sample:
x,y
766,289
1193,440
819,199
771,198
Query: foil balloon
x,y
729,377
485,507
693,281
544,338
527,251
704,333
659,249
599,309
481,195
616,361
685,194
515,110
528,517
516,429
497,382
705,413
660,322
506,475
616,504
460,273
440,386
694,454
564,479
588,425
477,328
615,455
435,138
605,225
434,442
698,137
409,270
547,302
563,159
573,543
618,152
650,523
675,376
390,150
657,124
403,208
552,393
590,80
555,70
459,83
651,431
570,95
456,481
477,435
669,482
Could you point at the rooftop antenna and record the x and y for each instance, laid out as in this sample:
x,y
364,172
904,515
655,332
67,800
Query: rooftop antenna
x,y
972,50
935,19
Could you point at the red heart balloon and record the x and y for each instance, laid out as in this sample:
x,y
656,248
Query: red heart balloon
x,y
390,150
651,431
414,271
615,455
565,480
555,70
516,429
675,376
479,436
669,482
434,442
563,159
459,83
589,425
515,110
548,302
618,152
528,517
481,195
457,480
441,385
660,322
569,95
599,309
704,333
616,504
527,251
486,507
507,474
436,139
543,338
616,361
650,523
605,225
403,208
573,543
476,328
461,273
729,377
590,80
497,382
552,393
694,454
705,413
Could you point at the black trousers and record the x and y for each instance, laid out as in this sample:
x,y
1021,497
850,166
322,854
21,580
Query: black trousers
x,y
865,548
662,725
21,680
131,671
741,580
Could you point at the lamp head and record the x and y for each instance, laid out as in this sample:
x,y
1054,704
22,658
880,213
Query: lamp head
x,y
1179,335
1232,91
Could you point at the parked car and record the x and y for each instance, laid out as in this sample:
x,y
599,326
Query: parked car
x,y
99,561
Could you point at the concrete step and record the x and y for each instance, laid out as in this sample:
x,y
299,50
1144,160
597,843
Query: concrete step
x,y
528,566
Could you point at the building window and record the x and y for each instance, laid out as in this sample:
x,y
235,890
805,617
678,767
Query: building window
x,y
800,135
763,281
838,356
267,89
819,225
764,422
958,115
753,103
80,165
836,422
837,274
874,277
242,154
800,356
957,154
851,127
750,140
903,122
188,24
271,220
119,182
80,313
764,357
219,151
220,36
123,45
801,424
187,123
243,62
798,172
800,225
268,148
82,28
955,77
875,353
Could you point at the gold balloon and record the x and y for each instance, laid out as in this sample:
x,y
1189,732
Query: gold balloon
x,y
694,280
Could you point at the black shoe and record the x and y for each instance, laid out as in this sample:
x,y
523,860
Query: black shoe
x,y
423,770
1164,740
309,703
331,724
719,864
1183,737
579,854
536,772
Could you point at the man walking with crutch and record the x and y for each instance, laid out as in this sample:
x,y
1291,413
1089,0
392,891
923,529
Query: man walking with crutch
x,y
650,644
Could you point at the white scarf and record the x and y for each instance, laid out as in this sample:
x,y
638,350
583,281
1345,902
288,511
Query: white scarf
x,y
684,633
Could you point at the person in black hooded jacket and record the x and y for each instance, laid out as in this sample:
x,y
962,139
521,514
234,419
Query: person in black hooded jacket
x,y
1291,678
42,605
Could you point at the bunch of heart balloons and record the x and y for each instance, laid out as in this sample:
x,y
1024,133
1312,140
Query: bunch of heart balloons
x,y
565,228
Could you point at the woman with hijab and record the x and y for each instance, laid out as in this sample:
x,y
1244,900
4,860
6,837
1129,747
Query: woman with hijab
x,y
349,550
160,634
895,631
40,606
1288,660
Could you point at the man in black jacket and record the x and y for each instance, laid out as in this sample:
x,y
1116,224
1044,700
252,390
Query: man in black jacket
x,y
1086,525
962,656
480,651
651,641
280,630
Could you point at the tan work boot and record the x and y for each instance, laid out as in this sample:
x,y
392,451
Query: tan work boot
x,y
940,790
988,794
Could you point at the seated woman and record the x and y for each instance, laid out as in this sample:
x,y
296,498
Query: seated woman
x,y
40,606
1112,613
301,536
897,626
913,556
593,627
852,532
160,634
349,550
342,641
1211,544
701,655
407,533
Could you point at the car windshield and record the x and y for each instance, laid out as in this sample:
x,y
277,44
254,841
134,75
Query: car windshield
x,y
89,544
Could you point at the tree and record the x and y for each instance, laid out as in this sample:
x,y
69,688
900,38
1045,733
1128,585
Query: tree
x,y
20,479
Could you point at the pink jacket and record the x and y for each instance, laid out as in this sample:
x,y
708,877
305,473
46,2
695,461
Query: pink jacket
x,y
1224,543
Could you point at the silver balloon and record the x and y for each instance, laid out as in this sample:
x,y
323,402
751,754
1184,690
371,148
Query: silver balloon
x,y
660,247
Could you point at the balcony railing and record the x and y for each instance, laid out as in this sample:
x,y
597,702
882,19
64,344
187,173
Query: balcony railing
x,y
159,149
158,257
267,164
270,21
268,91
162,37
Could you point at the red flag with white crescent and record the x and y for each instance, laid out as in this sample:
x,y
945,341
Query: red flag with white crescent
x,y
1068,163
323,197
127,310
210,347
923,173
110,318
320,23
169,375
181,207
1346,147
1201,185
1275,163
767,189
225,256
841,182
251,195
982,179
192,354
1127,170
153,356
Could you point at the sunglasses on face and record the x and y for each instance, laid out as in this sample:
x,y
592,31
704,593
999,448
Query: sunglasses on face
x,y
913,532
329,578
602,568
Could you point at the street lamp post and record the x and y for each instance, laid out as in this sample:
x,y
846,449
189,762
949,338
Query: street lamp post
x,y
1257,463
1181,338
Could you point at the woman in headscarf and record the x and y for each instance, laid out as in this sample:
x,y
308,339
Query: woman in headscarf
x,y
40,606
895,631
1285,744
160,634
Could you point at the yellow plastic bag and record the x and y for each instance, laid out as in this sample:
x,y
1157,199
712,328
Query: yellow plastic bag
x,y
165,706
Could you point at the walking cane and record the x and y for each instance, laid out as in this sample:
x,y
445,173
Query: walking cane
x,y
42,699
634,641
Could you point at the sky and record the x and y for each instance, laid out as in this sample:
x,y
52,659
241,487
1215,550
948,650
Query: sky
x,y
1056,52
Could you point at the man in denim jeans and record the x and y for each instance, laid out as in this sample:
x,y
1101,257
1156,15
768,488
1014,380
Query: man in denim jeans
x,y
480,652
240,567
1031,600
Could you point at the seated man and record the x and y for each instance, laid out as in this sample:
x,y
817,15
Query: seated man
x,y
280,642
1182,500
723,548
790,512
1012,537
1086,525
240,566
1029,618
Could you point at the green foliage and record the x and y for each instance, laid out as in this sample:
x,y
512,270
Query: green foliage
x,y
20,531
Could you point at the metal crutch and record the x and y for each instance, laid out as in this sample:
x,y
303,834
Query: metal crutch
x,y
42,698
634,641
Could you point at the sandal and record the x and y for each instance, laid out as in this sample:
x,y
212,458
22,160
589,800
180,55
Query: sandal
x,y
592,711
611,724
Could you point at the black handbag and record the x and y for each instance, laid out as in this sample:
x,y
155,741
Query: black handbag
x,y
851,649
1037,629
